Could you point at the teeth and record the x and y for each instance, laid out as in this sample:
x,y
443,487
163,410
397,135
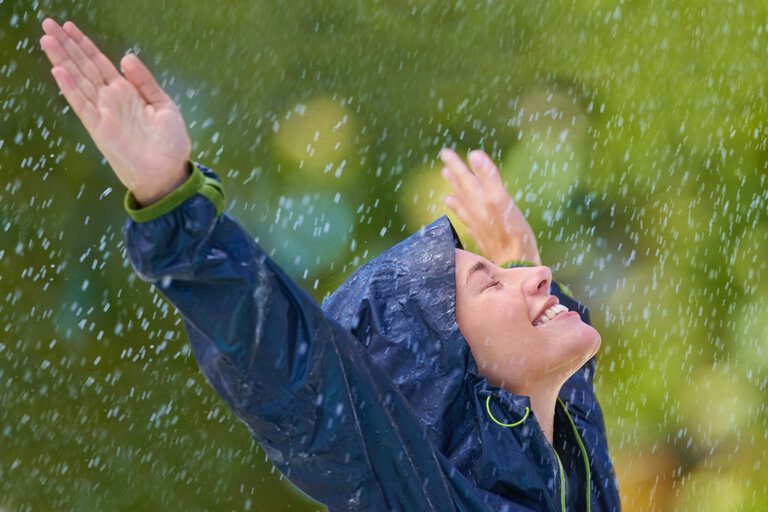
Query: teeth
x,y
549,314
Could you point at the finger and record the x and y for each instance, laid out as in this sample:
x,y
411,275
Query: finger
x,y
141,78
455,205
106,69
487,173
466,181
84,109
448,175
49,24
60,58
83,63
53,50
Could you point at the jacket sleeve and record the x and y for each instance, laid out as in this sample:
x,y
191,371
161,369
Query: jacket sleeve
x,y
328,419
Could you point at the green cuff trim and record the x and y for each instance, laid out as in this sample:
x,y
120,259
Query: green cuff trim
x,y
214,191
196,183
515,263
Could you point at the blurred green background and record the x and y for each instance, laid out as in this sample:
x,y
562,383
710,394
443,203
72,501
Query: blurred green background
x,y
632,133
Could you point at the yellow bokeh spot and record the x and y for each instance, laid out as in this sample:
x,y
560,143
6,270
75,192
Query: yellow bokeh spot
x,y
710,490
421,198
716,404
546,161
316,139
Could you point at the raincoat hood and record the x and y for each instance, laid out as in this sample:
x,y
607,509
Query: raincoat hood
x,y
402,306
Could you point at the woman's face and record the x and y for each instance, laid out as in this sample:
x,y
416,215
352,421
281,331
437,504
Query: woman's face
x,y
496,309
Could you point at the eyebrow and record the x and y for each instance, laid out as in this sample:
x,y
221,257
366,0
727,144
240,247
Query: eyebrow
x,y
480,265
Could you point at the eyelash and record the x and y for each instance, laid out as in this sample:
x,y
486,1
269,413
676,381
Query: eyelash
x,y
494,284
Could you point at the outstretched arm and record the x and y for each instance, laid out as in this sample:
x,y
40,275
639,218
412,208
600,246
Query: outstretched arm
x,y
305,387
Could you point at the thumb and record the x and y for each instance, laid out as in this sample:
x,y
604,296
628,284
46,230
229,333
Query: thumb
x,y
140,77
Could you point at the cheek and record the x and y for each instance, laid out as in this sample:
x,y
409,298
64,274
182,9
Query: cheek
x,y
486,318
504,335
494,319
506,347
472,324
480,327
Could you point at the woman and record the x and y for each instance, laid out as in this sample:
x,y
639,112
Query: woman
x,y
432,379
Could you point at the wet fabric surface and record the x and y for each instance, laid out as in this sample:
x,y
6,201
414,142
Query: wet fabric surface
x,y
372,401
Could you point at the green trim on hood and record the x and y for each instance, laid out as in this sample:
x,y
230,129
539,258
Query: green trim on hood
x,y
517,263
566,290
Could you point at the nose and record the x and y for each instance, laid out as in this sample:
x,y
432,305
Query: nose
x,y
538,280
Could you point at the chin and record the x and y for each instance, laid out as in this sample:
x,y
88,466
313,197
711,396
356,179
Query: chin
x,y
587,341
592,342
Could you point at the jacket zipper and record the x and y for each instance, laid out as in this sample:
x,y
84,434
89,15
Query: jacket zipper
x,y
559,465
583,455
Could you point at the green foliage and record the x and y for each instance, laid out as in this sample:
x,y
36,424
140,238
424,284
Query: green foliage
x,y
632,133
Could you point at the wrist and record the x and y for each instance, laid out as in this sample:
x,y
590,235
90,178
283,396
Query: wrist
x,y
155,192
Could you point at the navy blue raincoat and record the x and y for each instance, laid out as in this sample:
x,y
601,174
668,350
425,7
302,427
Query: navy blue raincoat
x,y
372,402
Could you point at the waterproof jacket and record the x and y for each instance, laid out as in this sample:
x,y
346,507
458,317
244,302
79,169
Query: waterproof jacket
x,y
372,402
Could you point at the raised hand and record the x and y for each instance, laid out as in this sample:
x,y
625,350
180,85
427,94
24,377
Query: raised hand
x,y
133,122
481,202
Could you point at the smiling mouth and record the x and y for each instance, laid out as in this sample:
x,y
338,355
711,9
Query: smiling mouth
x,y
550,314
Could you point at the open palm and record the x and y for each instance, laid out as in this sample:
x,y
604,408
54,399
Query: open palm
x,y
133,122
482,203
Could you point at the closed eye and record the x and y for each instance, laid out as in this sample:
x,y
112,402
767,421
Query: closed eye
x,y
495,283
